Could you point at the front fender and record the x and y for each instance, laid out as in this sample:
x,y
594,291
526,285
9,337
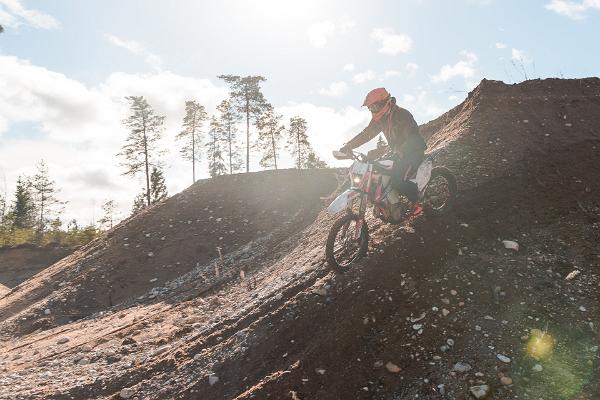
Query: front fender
x,y
342,201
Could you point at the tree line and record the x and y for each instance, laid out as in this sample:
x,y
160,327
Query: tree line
x,y
216,137
34,214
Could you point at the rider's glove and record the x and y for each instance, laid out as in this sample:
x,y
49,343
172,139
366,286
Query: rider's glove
x,y
345,149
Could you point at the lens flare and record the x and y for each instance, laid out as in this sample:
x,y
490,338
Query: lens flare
x,y
540,344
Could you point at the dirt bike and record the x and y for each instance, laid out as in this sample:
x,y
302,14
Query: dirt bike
x,y
371,185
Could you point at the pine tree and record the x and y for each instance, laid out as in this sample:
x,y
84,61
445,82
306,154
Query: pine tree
x,y
110,211
1,29
195,115
313,161
270,130
298,142
158,192
139,203
2,210
216,164
248,99
381,143
139,151
229,118
22,214
44,192
158,187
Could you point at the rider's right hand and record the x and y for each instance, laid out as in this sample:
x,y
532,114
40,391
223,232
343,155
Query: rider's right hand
x,y
345,150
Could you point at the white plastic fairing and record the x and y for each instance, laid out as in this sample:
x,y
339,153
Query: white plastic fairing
x,y
341,202
387,163
423,174
340,156
359,168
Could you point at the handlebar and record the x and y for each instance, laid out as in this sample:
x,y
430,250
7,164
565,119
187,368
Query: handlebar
x,y
338,155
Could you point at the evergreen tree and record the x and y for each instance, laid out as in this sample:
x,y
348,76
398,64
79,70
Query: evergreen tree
x,y
158,192
139,151
270,130
2,210
297,141
381,143
158,187
1,29
110,210
248,99
195,115
139,203
22,214
44,191
216,164
313,161
229,118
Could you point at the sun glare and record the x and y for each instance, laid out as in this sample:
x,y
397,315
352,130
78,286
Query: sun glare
x,y
540,345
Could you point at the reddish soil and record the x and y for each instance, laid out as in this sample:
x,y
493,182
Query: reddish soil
x,y
268,320
20,263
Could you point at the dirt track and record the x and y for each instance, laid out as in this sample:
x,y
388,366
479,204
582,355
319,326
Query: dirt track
x,y
429,295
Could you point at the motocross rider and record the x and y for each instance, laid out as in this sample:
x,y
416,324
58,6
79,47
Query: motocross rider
x,y
405,143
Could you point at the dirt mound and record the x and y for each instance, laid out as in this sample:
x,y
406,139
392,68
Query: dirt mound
x,y
168,240
437,307
20,263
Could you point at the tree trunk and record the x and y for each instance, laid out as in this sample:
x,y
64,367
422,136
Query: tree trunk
x,y
247,135
147,166
274,148
298,144
194,148
229,138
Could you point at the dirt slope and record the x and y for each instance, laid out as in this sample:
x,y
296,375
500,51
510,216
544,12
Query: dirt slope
x,y
20,263
437,307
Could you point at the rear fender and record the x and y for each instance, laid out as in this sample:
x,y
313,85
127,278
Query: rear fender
x,y
342,201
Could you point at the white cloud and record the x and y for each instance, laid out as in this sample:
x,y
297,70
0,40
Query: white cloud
x,y
392,72
13,14
135,48
363,77
391,43
520,55
500,45
463,68
411,68
346,24
571,9
320,33
422,106
82,131
348,67
335,89
329,129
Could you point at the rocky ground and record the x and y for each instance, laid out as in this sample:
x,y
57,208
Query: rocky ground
x,y
445,308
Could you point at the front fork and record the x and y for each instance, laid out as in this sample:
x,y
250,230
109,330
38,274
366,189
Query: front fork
x,y
361,216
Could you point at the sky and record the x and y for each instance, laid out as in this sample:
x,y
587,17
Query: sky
x,y
66,67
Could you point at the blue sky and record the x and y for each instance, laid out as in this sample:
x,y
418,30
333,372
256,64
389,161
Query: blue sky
x,y
66,65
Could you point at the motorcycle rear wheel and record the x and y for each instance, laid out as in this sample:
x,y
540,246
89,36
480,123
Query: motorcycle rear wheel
x,y
440,193
342,250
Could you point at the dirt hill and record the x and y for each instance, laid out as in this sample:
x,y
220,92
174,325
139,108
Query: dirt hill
x,y
20,263
438,307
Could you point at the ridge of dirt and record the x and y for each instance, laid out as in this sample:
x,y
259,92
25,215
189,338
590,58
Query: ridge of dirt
x,y
19,263
432,310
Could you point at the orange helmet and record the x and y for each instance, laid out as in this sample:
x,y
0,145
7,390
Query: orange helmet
x,y
375,96
379,102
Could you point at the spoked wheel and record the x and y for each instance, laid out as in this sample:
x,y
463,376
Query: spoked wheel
x,y
440,192
346,245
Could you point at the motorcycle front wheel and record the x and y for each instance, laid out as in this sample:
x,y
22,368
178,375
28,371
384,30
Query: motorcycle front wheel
x,y
343,249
